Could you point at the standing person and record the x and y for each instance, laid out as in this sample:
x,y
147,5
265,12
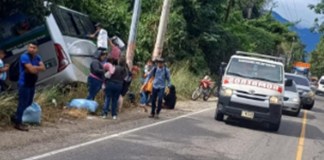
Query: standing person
x,y
127,82
102,38
30,65
114,87
147,68
96,76
115,50
109,68
3,71
145,94
161,75
126,85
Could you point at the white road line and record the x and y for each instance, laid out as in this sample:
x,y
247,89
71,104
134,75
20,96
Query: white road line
x,y
48,154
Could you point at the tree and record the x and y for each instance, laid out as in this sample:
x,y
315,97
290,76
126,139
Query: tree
x,y
317,56
318,9
196,32
317,59
34,7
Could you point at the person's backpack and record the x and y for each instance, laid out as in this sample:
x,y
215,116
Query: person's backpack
x,y
165,72
127,82
129,76
13,73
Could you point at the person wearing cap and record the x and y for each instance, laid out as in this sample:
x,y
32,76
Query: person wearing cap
x,y
161,76
102,38
96,76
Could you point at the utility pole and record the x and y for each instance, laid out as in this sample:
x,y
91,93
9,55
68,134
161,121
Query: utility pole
x,y
132,34
251,4
162,29
228,9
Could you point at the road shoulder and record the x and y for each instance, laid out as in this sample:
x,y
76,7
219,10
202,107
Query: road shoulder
x,y
17,145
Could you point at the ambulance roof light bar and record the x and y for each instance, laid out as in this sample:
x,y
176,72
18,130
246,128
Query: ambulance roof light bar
x,y
280,59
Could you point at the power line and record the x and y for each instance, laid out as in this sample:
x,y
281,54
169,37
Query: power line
x,y
290,15
295,8
285,10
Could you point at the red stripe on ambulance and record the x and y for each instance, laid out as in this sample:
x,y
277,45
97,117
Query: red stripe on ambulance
x,y
255,83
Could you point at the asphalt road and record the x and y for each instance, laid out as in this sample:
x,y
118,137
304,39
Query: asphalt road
x,y
199,136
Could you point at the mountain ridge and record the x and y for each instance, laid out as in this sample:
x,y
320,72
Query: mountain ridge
x,y
308,38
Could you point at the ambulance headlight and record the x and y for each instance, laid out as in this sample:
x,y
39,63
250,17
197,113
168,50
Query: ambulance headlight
x,y
274,100
226,92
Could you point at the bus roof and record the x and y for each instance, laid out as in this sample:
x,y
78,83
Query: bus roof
x,y
70,10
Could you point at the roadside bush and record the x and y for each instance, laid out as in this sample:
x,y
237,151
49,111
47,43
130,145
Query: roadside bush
x,y
184,80
8,105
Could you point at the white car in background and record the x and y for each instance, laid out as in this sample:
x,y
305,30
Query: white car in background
x,y
320,88
292,103
306,94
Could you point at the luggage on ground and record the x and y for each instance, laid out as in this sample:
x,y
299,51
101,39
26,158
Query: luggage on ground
x,y
32,114
170,99
90,105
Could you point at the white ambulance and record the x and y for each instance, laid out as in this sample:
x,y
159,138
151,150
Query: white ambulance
x,y
253,88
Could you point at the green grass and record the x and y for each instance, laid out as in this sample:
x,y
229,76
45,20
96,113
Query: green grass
x,y
51,112
184,80
7,108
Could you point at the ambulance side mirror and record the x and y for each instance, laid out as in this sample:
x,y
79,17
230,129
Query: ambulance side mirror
x,y
289,83
223,67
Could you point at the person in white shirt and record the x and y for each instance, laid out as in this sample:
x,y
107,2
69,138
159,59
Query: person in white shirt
x,y
102,38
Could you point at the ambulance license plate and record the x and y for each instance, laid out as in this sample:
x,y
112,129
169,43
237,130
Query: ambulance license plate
x,y
247,114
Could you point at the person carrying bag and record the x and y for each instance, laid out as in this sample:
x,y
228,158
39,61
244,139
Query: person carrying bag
x,y
159,75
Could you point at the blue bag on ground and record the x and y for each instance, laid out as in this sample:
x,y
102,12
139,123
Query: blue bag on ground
x,y
90,105
32,114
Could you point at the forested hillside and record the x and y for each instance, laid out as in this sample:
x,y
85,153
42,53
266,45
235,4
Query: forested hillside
x,y
317,57
202,32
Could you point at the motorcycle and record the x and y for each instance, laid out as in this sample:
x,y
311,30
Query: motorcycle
x,y
204,89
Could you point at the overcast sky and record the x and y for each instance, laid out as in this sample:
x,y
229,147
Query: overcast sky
x,y
295,10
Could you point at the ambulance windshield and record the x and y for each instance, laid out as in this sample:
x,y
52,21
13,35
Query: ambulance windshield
x,y
258,70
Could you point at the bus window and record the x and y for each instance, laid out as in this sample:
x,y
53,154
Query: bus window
x,y
59,20
68,20
65,21
16,29
87,24
83,25
71,23
79,24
